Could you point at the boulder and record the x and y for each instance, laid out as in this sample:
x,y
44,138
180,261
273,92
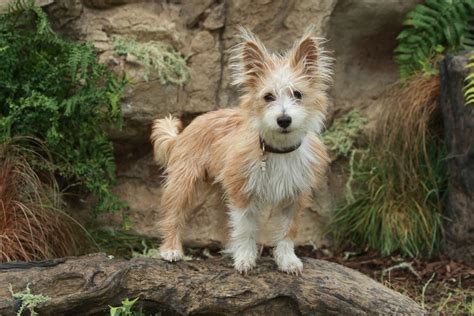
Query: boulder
x,y
362,34
88,285
459,135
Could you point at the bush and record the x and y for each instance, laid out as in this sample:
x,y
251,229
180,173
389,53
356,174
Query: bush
x,y
399,181
55,90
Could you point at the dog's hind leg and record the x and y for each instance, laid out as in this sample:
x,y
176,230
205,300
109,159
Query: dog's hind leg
x,y
178,197
284,234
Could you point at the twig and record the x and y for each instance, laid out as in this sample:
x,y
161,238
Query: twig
x,y
402,265
445,302
424,290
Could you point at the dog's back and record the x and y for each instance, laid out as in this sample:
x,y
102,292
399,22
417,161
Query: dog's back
x,y
197,145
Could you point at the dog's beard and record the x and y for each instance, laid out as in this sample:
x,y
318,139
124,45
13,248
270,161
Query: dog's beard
x,y
281,139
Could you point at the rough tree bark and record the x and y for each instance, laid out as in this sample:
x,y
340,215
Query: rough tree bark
x,y
87,285
459,134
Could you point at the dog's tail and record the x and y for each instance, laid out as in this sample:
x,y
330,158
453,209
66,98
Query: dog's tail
x,y
164,133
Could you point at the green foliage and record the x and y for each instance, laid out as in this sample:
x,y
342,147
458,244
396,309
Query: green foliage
x,y
343,133
147,252
433,28
380,215
158,56
55,90
127,309
28,300
469,83
396,185
123,244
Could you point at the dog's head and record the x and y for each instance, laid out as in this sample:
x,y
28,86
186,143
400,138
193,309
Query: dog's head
x,y
284,94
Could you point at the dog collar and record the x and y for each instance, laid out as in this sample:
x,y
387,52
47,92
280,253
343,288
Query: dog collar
x,y
270,149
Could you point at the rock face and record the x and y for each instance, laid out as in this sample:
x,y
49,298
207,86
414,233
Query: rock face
x,y
459,130
87,285
361,35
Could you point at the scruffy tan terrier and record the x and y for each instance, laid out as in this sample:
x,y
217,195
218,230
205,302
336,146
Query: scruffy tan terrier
x,y
265,153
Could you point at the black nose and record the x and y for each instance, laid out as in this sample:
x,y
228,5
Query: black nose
x,y
284,121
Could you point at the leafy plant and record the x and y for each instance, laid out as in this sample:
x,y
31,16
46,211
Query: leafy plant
x,y
127,309
28,300
122,244
169,64
469,83
343,133
431,29
56,91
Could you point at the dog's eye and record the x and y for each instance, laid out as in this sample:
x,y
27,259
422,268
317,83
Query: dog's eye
x,y
269,97
297,94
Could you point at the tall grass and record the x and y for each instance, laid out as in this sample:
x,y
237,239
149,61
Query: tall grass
x,y
32,225
396,185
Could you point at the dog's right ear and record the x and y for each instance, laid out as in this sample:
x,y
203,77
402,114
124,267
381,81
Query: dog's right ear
x,y
248,60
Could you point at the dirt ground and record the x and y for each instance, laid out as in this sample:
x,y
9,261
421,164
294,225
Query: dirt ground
x,y
440,285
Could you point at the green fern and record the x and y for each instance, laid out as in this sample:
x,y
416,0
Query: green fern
x,y
56,91
469,83
17,10
431,29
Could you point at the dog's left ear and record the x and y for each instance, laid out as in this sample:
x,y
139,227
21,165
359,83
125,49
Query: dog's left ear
x,y
310,58
305,55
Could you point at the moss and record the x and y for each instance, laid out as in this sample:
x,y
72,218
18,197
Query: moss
x,y
342,135
157,56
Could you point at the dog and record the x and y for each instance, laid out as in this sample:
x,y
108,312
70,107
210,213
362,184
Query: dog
x,y
264,153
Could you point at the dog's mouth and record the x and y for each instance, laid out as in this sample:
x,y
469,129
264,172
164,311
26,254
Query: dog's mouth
x,y
285,131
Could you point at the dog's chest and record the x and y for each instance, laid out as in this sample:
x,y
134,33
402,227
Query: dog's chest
x,y
285,176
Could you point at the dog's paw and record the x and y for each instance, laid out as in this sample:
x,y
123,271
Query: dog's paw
x,y
286,259
290,264
244,265
244,261
171,254
244,255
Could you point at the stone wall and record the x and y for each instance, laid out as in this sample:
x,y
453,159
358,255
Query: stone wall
x,y
361,34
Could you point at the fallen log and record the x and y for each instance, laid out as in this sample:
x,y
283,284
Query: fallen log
x,y
87,285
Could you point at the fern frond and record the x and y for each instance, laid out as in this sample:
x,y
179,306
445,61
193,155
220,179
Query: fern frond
x,y
468,38
431,28
469,83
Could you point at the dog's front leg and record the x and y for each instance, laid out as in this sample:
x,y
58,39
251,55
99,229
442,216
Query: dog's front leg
x,y
283,236
243,236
